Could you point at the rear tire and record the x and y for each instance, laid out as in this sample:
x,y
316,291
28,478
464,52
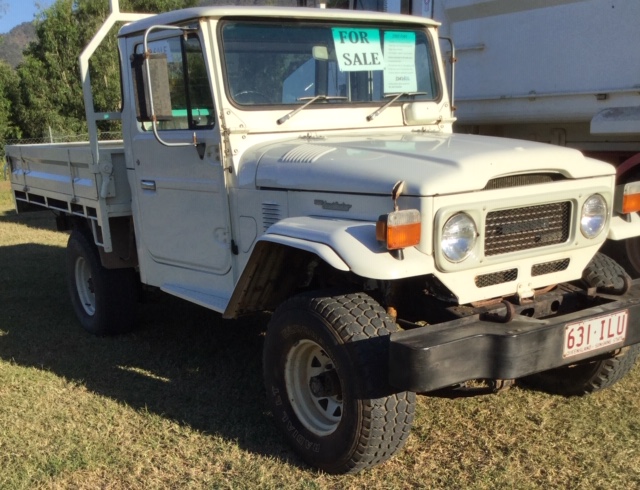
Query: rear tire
x,y
104,300
325,369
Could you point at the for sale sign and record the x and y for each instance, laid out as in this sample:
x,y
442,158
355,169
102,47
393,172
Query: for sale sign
x,y
358,49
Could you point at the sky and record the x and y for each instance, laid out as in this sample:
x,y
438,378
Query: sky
x,y
19,11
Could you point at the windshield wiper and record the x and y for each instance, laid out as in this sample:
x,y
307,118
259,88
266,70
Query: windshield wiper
x,y
371,117
310,100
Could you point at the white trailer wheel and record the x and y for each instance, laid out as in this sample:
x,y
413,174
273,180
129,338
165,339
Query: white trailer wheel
x,y
84,286
306,366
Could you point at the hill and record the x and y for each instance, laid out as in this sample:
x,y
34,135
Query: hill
x,y
15,41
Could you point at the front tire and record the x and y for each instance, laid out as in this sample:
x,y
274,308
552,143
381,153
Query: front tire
x,y
104,300
587,376
325,369
606,275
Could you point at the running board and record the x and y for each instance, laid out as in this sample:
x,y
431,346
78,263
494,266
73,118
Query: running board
x,y
201,298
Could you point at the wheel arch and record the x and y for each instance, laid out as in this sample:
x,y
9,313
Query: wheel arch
x,y
124,254
276,268
295,244
628,168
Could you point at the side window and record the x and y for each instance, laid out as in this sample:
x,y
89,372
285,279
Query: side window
x,y
189,89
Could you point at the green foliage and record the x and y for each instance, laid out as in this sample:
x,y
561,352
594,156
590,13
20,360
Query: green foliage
x,y
155,6
8,93
50,94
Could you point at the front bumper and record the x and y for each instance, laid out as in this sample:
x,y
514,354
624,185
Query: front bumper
x,y
437,356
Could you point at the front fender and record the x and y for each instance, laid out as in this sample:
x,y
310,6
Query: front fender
x,y
285,250
623,227
353,242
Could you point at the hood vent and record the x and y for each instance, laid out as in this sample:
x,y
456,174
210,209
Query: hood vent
x,y
305,153
521,180
271,214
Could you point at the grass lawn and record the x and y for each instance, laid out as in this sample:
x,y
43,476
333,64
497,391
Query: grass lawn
x,y
179,403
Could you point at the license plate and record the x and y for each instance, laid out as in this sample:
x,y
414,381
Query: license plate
x,y
594,333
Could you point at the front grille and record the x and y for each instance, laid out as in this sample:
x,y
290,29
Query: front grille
x,y
513,230
496,278
550,267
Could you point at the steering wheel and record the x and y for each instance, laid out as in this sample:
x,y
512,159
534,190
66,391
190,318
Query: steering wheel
x,y
251,97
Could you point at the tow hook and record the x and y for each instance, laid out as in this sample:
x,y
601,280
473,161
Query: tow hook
x,y
501,316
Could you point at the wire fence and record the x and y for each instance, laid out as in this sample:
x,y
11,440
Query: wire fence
x,y
50,139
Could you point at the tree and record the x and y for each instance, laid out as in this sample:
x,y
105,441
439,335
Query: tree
x,y
50,87
8,95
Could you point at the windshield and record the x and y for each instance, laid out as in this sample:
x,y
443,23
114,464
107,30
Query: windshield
x,y
269,63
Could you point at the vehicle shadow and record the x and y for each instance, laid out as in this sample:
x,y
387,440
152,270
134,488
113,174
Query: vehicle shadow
x,y
183,363
40,219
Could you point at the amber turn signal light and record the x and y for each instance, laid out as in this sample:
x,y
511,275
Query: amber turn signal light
x,y
399,229
631,203
628,198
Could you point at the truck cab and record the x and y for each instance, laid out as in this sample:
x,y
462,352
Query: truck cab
x,y
239,89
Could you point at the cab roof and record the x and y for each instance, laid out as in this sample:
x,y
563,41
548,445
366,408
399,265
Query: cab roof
x,y
185,16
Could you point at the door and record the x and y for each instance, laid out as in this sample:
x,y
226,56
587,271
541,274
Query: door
x,y
181,197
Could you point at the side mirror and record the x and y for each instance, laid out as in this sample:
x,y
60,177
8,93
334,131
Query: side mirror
x,y
153,97
159,83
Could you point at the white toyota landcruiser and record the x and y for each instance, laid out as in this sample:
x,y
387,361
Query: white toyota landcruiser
x,y
302,161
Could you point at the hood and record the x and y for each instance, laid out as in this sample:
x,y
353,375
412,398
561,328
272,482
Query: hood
x,y
430,164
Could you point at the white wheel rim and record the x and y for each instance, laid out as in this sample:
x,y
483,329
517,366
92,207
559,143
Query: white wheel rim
x,y
84,286
319,414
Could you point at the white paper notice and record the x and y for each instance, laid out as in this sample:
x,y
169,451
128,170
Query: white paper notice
x,y
400,62
358,49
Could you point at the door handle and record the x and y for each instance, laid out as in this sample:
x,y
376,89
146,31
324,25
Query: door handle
x,y
148,185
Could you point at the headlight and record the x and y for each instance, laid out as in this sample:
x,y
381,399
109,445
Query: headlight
x,y
459,236
594,216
